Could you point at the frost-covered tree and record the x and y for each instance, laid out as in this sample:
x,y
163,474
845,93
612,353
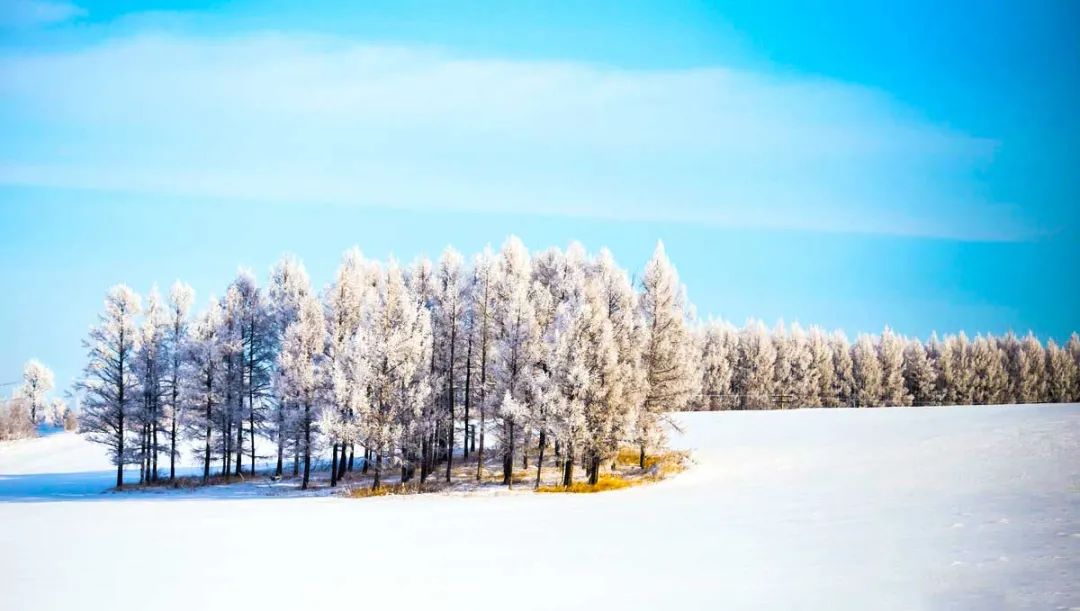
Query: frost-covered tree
x,y
668,352
289,287
1031,371
1060,373
781,384
205,381
301,374
256,357
821,359
891,352
181,296
803,383
398,351
449,337
150,366
109,384
989,380
719,355
481,316
955,373
753,376
348,300
56,412
515,348
37,383
919,376
867,372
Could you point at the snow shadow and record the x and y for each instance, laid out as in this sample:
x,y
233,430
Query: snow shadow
x,y
99,486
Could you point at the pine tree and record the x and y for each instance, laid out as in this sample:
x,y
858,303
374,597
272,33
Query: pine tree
x,y
1060,373
843,370
1031,371
301,374
289,287
109,384
515,347
919,375
181,297
205,356
668,350
821,360
803,381
891,351
150,367
867,372
753,377
449,337
989,380
719,345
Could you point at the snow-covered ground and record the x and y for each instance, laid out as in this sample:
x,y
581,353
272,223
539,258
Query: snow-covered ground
x,y
970,508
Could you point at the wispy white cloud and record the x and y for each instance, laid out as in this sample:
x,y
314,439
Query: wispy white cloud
x,y
283,117
31,13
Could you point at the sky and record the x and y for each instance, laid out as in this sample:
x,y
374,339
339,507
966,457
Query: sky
x,y
852,165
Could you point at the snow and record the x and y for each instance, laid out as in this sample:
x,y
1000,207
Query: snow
x,y
901,508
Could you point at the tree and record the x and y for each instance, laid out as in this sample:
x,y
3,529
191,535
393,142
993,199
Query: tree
x,y
753,377
515,347
719,351
300,371
1031,371
891,350
205,355
449,337
150,367
37,382
481,314
867,372
821,359
1060,373
667,354
181,296
109,384
289,286
919,375
989,380
955,370
843,390
803,383
347,302
1074,352
399,355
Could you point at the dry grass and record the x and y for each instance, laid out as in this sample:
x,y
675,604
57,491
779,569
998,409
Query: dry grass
x,y
657,467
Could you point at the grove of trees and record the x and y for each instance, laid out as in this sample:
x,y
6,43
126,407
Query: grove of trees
x,y
554,356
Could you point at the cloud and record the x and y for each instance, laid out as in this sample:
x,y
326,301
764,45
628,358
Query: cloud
x,y
284,117
31,13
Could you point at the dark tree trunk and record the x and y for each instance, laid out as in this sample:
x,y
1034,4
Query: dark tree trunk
x,y
307,445
367,460
333,467
172,445
341,464
594,469
468,394
641,458
206,453
508,457
154,450
352,450
540,459
568,467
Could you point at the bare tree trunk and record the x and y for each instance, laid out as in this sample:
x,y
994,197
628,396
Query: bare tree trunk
x,y
540,459
307,445
468,394
352,450
508,456
341,464
641,459
568,467
333,467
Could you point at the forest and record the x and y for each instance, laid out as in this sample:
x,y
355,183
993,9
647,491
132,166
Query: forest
x,y
509,356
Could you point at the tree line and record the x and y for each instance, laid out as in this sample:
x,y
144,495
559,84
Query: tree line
x,y
554,354
755,368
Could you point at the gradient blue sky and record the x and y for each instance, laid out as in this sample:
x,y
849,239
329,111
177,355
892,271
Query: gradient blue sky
x,y
845,164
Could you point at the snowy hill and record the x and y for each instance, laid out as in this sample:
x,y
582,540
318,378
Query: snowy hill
x,y
908,508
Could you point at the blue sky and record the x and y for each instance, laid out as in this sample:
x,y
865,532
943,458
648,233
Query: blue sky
x,y
845,164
